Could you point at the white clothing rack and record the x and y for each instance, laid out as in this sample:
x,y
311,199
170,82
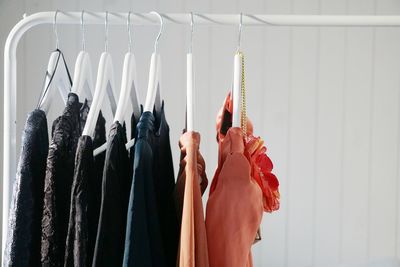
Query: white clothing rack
x,y
10,59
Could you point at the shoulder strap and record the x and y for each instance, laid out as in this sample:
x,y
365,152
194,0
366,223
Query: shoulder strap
x,y
243,119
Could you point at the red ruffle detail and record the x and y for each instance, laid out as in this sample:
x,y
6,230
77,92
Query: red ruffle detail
x,y
255,151
261,168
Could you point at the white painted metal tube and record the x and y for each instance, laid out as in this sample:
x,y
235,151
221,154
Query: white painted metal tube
x,y
10,61
237,86
189,93
118,18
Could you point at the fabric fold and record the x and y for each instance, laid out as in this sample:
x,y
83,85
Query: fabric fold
x,y
191,184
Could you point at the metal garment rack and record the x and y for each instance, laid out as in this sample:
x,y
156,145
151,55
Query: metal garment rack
x,y
10,58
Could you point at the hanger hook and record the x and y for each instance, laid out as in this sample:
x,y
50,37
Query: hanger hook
x,y
240,31
106,33
161,29
128,24
55,28
191,32
83,31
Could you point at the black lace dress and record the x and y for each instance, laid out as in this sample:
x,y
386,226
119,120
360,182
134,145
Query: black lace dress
x,y
24,228
85,199
59,179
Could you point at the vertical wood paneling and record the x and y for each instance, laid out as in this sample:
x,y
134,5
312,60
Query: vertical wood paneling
x,y
302,138
357,137
383,163
326,101
328,144
277,57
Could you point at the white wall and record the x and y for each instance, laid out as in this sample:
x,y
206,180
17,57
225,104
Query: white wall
x,y
326,100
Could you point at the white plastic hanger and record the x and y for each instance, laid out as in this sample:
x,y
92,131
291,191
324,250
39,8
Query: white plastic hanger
x,y
190,82
128,88
153,87
57,75
129,83
83,77
104,84
237,82
153,97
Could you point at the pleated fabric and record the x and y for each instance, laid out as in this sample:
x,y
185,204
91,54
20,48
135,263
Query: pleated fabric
x,y
191,184
235,206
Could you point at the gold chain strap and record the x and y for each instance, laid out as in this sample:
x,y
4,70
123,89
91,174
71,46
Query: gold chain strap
x,y
243,119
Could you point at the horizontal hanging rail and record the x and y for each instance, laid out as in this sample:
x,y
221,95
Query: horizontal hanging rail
x,y
116,18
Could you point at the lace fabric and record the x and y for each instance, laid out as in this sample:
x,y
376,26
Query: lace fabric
x,y
24,228
77,242
58,182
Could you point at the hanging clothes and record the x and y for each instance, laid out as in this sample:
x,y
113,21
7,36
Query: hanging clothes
x,y
234,208
152,227
76,251
238,193
24,228
190,186
85,199
117,179
95,186
66,131
164,184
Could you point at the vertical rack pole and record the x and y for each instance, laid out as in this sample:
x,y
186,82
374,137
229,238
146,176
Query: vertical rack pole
x,y
10,104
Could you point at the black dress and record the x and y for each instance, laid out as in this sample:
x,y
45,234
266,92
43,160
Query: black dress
x,y
58,180
152,228
76,251
117,180
85,199
94,200
164,184
24,228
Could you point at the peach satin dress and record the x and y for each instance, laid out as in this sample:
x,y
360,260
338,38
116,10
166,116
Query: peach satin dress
x,y
191,184
239,193
234,208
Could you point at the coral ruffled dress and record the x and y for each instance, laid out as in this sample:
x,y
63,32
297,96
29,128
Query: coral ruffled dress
x,y
191,184
243,187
